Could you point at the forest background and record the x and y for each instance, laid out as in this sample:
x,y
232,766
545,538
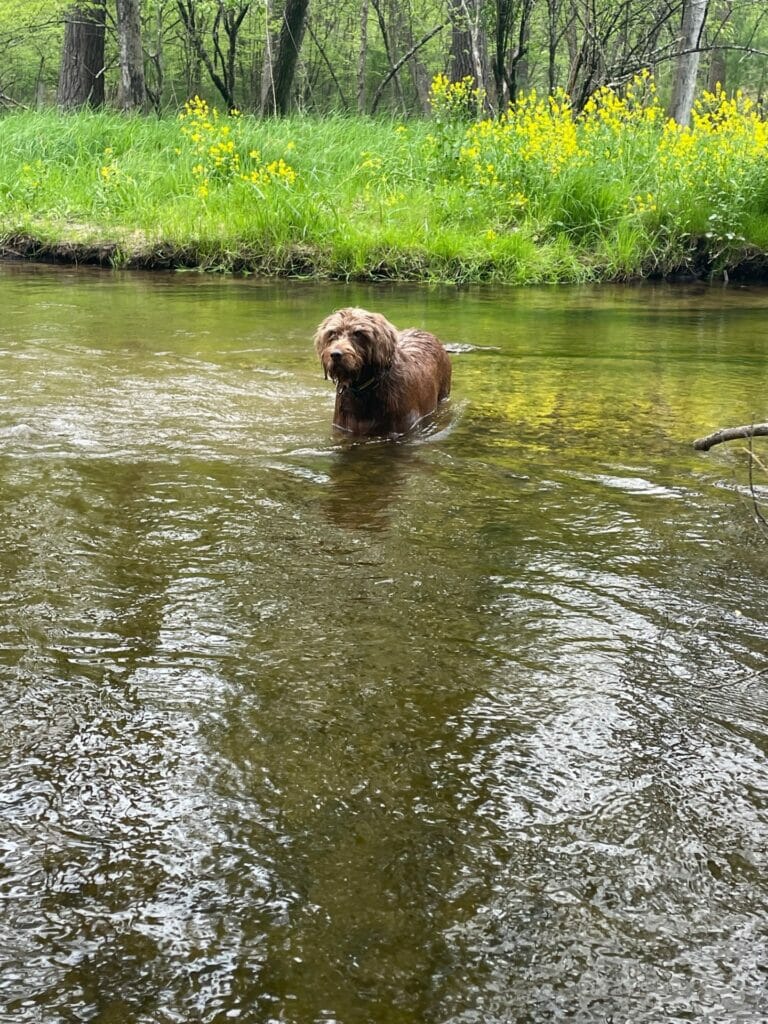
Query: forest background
x,y
515,140
366,56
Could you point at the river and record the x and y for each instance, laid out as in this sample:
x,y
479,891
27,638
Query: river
x,y
467,729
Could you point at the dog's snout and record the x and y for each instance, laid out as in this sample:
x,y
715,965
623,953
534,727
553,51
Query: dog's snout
x,y
336,354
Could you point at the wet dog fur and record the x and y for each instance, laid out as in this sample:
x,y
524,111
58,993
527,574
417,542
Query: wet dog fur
x,y
386,380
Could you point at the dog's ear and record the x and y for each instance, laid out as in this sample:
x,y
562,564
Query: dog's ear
x,y
319,343
319,340
384,338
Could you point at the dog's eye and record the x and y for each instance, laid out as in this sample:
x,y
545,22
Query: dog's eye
x,y
359,335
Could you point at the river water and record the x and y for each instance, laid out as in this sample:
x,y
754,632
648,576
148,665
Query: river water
x,y
470,728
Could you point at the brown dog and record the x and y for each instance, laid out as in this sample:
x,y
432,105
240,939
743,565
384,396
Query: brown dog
x,y
386,380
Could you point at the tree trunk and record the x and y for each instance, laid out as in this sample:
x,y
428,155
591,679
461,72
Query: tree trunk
x,y
40,86
81,77
587,53
133,91
404,59
390,55
362,57
156,65
510,63
277,99
220,63
469,51
684,85
722,12
269,56
553,40
402,22
467,42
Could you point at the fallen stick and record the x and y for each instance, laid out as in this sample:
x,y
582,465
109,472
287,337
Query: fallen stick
x,y
703,444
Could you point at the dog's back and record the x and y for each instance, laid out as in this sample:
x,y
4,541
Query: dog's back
x,y
427,357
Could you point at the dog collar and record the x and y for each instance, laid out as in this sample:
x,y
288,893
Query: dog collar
x,y
357,389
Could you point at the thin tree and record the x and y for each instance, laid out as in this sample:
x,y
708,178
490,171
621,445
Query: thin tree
x,y
609,41
513,26
402,22
362,57
396,67
723,9
554,35
388,49
221,61
81,75
133,90
468,43
684,83
586,38
277,95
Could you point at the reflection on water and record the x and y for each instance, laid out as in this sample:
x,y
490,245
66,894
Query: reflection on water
x,y
469,728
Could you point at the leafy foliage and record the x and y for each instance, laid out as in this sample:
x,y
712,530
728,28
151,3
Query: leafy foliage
x,y
345,56
539,194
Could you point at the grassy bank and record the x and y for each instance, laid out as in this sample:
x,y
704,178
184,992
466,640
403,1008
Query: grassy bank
x,y
536,196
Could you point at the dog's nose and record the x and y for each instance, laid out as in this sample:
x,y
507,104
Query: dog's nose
x,y
335,354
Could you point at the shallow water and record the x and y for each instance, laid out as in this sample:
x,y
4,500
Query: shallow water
x,y
469,729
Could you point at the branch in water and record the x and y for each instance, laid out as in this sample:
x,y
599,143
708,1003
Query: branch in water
x,y
703,444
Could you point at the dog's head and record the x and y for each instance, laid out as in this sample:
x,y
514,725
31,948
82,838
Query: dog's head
x,y
350,340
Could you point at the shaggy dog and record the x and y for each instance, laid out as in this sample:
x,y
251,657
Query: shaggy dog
x,y
386,380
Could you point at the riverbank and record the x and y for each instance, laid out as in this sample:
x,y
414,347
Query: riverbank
x,y
536,197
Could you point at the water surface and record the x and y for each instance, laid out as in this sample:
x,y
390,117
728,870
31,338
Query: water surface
x,y
468,729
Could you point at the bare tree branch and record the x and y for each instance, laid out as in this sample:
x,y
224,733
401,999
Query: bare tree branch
x,y
396,67
703,444
9,101
328,65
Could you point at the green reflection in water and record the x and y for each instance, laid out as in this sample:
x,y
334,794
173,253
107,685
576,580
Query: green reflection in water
x,y
460,729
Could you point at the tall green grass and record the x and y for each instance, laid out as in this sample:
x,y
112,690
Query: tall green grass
x,y
536,196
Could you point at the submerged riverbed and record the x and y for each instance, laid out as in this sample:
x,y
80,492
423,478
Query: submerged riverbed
x,y
470,728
